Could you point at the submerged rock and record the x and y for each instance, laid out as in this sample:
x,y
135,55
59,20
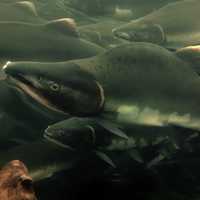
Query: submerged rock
x,y
15,183
101,33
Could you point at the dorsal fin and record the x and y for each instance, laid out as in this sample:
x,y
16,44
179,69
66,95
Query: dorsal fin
x,y
190,54
65,25
27,6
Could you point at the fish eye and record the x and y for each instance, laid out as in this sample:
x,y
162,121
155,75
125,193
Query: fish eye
x,y
54,86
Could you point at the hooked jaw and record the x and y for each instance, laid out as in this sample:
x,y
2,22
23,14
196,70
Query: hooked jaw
x,y
20,76
77,94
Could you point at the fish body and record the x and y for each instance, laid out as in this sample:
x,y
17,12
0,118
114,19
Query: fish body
x,y
139,83
45,160
164,26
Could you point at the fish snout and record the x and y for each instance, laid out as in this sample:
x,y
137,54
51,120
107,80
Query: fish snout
x,y
49,132
11,69
6,67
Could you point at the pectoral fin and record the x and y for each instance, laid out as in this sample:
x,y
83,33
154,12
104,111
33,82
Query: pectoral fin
x,y
105,158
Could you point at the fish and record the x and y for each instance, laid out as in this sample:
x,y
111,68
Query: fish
x,y
52,10
23,118
83,134
14,119
107,139
164,27
55,40
116,82
191,55
49,87
115,86
15,182
101,33
45,160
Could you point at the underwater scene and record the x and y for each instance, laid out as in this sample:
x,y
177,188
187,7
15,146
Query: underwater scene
x,y
100,99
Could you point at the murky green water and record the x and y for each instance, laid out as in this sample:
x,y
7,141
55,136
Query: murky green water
x,y
100,98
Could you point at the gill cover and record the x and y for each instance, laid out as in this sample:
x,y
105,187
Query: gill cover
x,y
84,98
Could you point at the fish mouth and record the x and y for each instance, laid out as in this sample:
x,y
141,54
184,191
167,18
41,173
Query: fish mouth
x,y
22,83
49,137
122,35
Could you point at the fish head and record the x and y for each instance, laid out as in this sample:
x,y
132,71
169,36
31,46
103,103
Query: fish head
x,y
136,32
61,87
73,134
